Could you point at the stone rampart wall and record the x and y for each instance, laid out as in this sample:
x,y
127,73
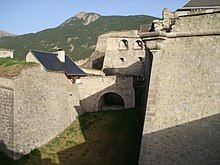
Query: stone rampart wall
x,y
44,105
6,118
6,83
37,105
195,23
183,110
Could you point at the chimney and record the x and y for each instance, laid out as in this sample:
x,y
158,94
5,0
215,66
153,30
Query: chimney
x,y
61,55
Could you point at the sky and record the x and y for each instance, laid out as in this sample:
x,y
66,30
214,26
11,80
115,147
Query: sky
x,y
30,16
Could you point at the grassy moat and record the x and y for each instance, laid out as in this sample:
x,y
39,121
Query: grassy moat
x,y
105,137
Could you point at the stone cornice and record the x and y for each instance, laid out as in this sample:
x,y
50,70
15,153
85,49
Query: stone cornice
x,y
163,35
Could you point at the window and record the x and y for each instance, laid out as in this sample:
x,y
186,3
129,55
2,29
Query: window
x,y
123,45
122,59
138,44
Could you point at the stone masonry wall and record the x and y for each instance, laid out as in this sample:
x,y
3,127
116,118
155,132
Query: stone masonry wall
x,y
195,23
108,47
182,122
6,115
92,88
37,105
44,105
120,60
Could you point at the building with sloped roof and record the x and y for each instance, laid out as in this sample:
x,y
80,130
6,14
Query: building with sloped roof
x,y
201,4
6,53
197,6
56,62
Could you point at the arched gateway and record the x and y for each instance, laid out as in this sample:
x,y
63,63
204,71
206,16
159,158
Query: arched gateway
x,y
111,101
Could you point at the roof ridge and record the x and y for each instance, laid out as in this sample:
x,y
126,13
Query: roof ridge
x,y
43,51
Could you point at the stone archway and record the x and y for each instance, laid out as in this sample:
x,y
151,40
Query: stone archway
x,y
111,101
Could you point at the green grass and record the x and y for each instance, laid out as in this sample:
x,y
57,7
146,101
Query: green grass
x,y
106,137
11,67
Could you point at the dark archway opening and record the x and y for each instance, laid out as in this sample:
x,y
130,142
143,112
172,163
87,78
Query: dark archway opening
x,y
111,101
98,63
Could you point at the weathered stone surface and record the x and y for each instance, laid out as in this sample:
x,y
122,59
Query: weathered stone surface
x,y
37,105
92,88
43,107
6,118
203,22
184,98
124,55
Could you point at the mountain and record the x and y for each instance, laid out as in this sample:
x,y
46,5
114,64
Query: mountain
x,y
77,35
86,18
5,34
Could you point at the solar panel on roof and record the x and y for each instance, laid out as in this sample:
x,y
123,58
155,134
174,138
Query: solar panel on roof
x,y
52,63
71,68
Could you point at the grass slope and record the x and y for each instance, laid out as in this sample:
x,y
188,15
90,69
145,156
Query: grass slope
x,y
77,39
10,67
107,137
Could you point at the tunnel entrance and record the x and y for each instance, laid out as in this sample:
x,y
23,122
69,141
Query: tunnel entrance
x,y
111,101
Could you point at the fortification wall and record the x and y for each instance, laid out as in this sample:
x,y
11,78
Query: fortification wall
x,y
195,23
44,105
6,115
182,119
106,43
124,56
92,88
37,105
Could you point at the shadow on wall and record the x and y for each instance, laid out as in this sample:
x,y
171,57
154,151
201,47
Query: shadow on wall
x,y
38,160
111,100
147,75
87,101
136,69
196,142
123,98
95,60
98,63
3,157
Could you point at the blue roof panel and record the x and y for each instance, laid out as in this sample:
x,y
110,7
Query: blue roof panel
x,y
52,63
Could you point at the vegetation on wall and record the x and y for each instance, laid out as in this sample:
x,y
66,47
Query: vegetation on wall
x,y
10,67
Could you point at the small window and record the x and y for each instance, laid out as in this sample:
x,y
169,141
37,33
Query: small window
x,y
123,45
138,44
141,60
